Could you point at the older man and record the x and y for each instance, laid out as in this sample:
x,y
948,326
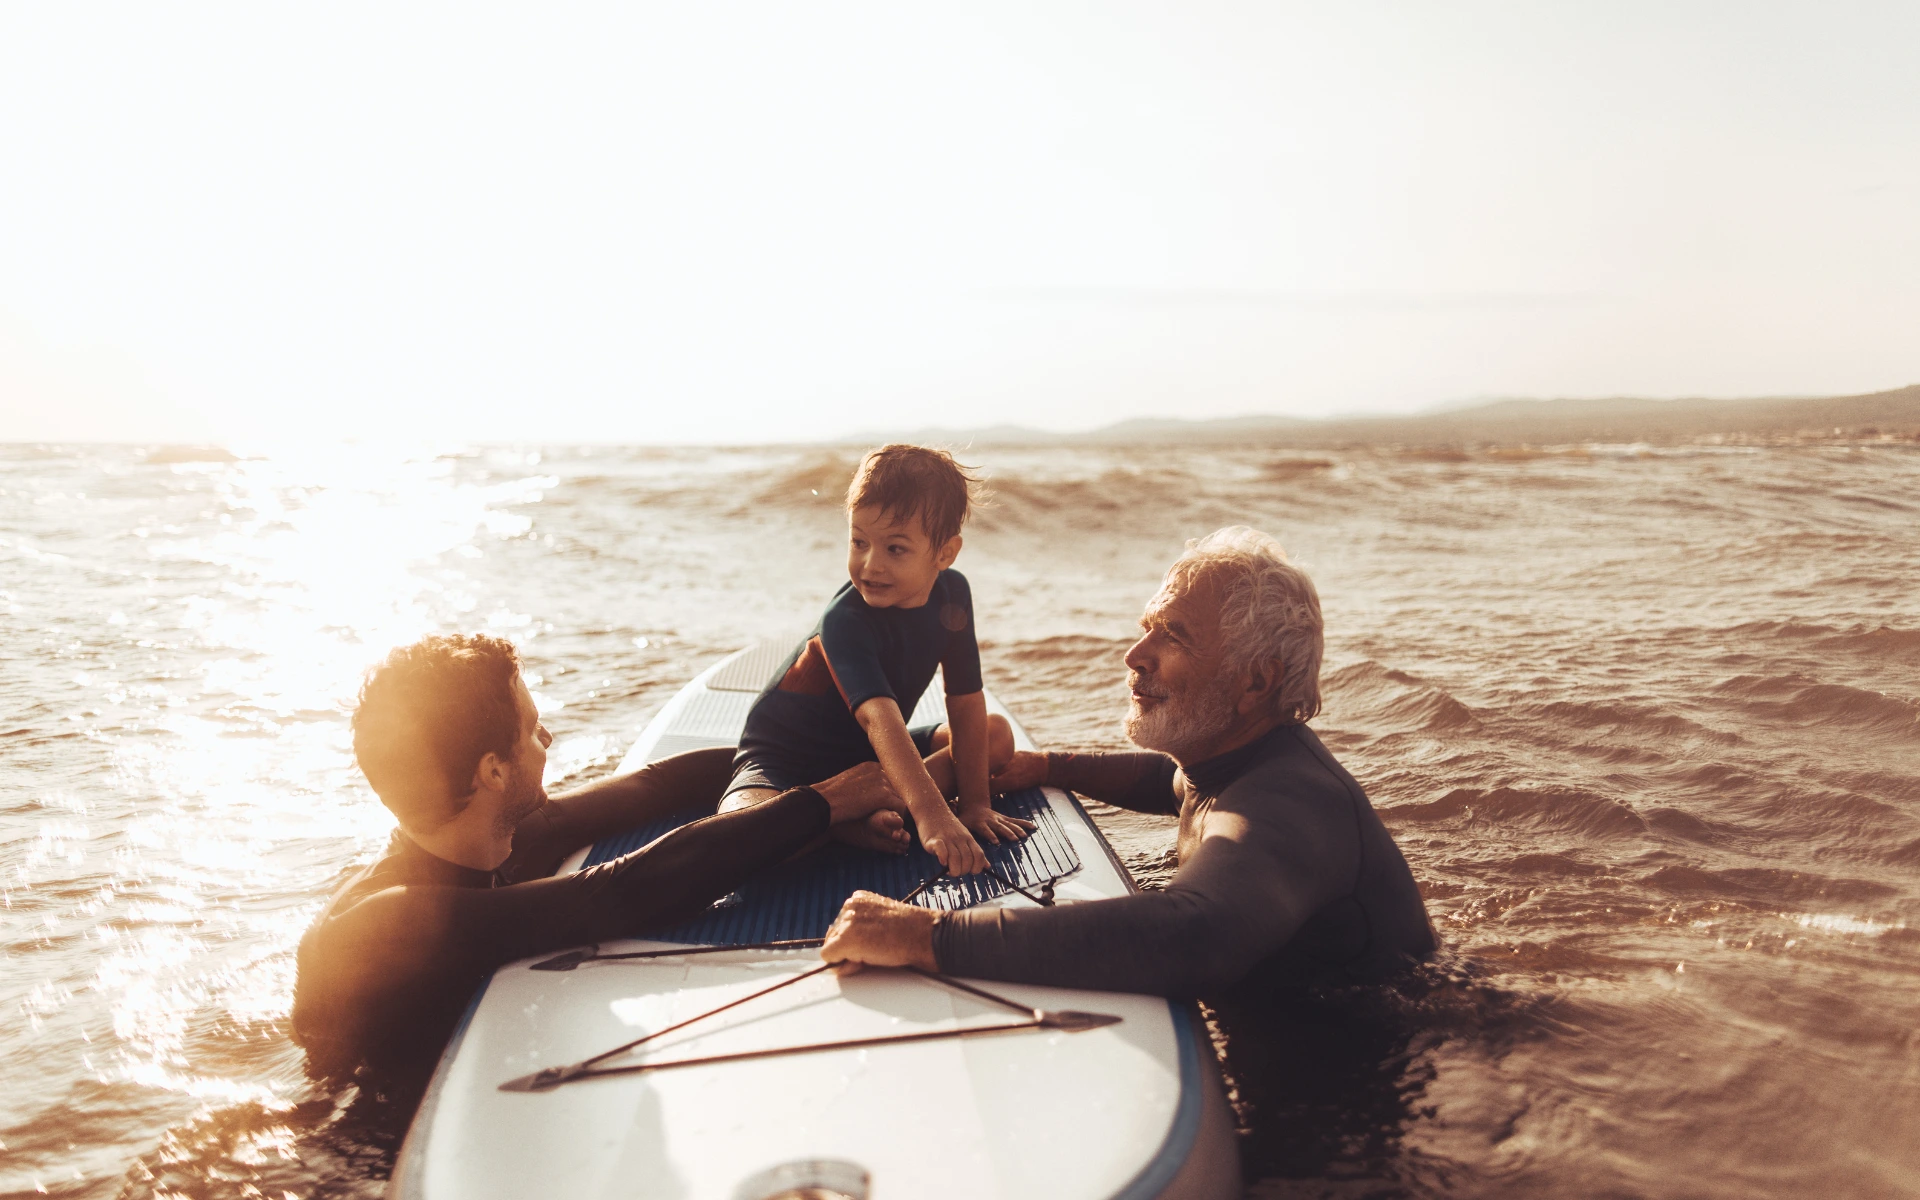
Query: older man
x,y
1285,872
450,740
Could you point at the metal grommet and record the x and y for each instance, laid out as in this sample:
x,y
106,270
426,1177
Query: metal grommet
x,y
807,1179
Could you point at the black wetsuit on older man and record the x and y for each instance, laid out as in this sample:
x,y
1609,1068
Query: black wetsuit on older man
x,y
1287,879
394,959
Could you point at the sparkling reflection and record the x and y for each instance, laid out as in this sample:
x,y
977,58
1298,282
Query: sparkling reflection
x,y
206,624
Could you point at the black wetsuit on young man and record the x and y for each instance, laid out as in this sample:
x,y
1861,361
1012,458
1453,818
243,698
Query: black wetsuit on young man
x,y
803,726
1286,879
391,963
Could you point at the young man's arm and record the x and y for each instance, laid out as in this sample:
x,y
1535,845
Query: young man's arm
x,y
401,964
940,831
614,805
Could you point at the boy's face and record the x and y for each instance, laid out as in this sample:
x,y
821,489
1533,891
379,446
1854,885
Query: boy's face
x,y
892,562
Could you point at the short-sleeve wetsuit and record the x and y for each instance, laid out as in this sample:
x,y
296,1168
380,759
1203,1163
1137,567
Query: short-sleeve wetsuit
x,y
394,958
803,727
1287,878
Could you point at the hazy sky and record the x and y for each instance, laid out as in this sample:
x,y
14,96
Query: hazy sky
x,y
732,222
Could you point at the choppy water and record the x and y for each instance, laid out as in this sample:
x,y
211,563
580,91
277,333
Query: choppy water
x,y
1645,725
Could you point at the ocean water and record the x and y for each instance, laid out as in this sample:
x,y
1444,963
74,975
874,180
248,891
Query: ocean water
x,y
1646,723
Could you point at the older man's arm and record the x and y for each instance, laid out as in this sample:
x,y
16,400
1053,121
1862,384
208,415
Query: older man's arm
x,y
1141,780
1241,895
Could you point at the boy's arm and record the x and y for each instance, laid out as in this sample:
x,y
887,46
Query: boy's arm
x,y
940,831
967,724
967,721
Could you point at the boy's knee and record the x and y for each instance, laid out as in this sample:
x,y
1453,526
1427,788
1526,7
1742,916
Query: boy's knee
x,y
999,740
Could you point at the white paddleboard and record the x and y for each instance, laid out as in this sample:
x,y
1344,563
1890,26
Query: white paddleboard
x,y
1134,1109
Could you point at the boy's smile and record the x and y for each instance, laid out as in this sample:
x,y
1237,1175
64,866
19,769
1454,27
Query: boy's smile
x,y
891,560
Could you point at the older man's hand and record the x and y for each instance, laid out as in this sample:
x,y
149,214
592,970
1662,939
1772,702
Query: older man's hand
x,y
877,931
858,792
1027,768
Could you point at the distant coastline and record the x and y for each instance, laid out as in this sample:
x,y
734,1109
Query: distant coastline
x,y
1892,417
1510,428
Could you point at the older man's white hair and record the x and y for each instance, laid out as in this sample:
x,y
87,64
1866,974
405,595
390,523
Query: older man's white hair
x,y
1268,610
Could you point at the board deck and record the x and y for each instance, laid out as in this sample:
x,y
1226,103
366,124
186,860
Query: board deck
x,y
800,899
1132,1110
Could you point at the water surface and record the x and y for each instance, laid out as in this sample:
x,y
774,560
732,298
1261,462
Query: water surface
x,y
1644,723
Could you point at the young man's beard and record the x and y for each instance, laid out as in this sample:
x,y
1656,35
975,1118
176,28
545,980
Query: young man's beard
x,y
1183,720
524,798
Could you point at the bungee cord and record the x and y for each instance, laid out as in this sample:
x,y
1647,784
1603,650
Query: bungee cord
x,y
1066,1020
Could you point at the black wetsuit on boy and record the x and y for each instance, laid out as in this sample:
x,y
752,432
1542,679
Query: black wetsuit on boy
x,y
394,959
803,727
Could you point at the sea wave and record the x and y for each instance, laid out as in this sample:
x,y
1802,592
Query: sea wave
x,y
1379,699
1587,814
1630,725
1862,639
1764,884
1807,701
816,479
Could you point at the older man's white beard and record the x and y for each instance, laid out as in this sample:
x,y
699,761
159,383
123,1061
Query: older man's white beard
x,y
1182,722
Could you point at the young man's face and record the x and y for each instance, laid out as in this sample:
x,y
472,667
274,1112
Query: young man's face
x,y
892,562
528,791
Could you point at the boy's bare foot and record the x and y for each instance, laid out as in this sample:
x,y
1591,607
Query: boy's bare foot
x,y
883,831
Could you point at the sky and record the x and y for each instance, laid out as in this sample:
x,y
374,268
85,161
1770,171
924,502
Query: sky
x,y
774,222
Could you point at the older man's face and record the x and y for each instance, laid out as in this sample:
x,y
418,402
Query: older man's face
x,y
1180,701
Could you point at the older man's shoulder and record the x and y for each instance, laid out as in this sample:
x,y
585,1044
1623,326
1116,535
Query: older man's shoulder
x,y
1298,768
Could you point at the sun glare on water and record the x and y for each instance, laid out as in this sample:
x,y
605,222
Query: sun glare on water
x,y
235,620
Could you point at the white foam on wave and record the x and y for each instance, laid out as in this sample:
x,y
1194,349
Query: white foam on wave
x,y
1835,923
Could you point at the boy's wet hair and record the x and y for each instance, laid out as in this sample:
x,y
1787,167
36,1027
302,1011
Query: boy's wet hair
x,y
906,482
427,715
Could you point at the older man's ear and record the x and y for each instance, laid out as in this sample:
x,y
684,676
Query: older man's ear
x,y
1263,688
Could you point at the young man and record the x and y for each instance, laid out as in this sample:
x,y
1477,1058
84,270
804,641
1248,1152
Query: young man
x,y
844,694
448,736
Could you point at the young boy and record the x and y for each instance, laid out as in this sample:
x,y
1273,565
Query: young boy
x,y
844,695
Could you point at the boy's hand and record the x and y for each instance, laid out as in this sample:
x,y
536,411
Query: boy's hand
x,y
948,840
994,827
1024,770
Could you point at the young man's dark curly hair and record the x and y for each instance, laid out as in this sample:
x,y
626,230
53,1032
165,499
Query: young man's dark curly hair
x,y
446,701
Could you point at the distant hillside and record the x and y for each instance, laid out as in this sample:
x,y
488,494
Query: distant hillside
x,y
1504,422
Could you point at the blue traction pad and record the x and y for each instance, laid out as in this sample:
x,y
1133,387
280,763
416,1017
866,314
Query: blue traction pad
x,y
799,899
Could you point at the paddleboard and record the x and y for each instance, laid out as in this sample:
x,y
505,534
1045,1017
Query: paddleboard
x,y
1130,1109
